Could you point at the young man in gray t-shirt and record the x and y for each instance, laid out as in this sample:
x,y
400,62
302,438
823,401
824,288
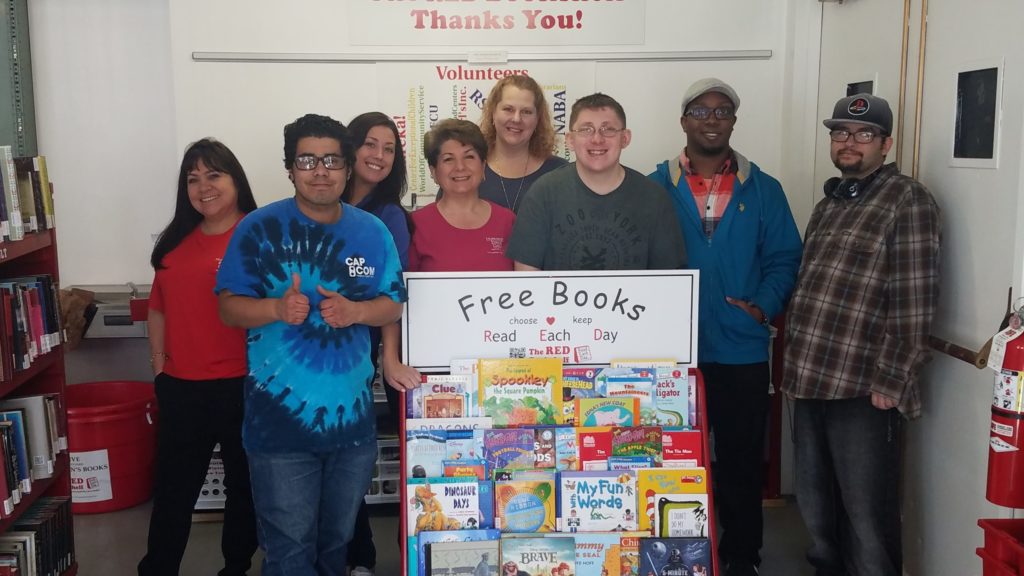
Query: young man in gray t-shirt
x,y
596,214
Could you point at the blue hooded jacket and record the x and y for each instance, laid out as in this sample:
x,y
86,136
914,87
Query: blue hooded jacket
x,y
754,255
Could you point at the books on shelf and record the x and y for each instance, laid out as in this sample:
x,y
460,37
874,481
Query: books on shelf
x,y
41,431
623,494
12,200
30,320
41,540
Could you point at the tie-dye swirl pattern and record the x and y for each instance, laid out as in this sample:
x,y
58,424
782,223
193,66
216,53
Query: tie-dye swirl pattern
x,y
309,385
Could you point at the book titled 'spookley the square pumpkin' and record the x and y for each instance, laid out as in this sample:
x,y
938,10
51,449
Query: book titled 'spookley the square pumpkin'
x,y
522,391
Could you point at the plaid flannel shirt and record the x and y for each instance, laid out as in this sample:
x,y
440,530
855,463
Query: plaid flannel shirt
x,y
861,313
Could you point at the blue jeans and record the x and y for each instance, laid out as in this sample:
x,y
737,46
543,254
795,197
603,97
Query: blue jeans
x,y
847,485
306,504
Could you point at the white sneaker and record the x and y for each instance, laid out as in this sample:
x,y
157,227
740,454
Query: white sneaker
x,y
361,571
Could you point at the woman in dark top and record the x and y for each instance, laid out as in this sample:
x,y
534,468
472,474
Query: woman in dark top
x,y
520,139
377,185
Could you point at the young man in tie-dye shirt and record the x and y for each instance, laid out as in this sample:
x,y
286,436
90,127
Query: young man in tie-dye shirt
x,y
306,276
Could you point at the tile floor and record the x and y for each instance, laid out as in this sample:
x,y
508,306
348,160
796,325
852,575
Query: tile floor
x,y
111,544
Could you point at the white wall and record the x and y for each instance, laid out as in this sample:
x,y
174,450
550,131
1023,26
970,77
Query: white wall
x,y
105,121
119,97
948,449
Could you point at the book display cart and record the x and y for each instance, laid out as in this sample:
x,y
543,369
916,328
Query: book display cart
x,y
574,348
44,475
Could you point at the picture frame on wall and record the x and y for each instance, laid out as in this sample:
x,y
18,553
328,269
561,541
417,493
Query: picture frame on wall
x,y
977,114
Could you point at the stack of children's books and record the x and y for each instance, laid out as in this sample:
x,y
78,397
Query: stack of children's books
x,y
528,467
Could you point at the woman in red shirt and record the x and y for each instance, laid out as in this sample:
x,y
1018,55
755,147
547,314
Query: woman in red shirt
x,y
199,364
461,232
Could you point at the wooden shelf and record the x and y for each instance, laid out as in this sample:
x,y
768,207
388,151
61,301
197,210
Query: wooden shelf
x,y
39,487
22,377
30,243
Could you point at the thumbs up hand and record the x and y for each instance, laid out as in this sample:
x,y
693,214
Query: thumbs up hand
x,y
337,311
293,306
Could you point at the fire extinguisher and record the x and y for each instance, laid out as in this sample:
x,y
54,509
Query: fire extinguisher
x,y
1006,442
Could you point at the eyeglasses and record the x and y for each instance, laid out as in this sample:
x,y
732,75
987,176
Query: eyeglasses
x,y
703,112
308,162
861,137
588,131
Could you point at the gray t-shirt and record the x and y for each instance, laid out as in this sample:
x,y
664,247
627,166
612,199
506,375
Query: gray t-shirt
x,y
563,225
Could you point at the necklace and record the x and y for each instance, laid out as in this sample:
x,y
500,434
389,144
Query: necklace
x,y
515,199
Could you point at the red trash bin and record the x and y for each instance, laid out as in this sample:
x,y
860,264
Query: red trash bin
x,y
112,441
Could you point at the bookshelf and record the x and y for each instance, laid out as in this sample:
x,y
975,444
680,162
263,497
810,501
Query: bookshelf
x,y
661,333
36,254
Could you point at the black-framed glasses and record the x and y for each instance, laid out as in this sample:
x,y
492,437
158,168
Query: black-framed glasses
x,y
860,137
588,131
308,162
703,112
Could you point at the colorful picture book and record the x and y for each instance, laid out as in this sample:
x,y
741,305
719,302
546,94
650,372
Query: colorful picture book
x,y
538,556
525,505
566,454
476,468
672,397
544,448
622,411
639,383
509,448
522,392
681,515
643,441
675,556
418,544
594,446
480,557
653,482
424,453
597,501
597,554
577,383
439,396
629,554
442,504
464,444
682,449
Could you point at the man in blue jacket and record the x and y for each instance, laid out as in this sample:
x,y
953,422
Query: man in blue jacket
x,y
740,234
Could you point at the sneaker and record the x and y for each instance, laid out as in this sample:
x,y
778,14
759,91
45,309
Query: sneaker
x,y
361,571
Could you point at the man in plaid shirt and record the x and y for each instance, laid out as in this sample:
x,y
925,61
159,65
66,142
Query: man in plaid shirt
x,y
856,340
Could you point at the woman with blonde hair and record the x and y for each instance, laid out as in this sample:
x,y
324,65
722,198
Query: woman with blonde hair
x,y
520,139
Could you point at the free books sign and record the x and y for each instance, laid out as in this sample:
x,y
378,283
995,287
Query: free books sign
x,y
584,318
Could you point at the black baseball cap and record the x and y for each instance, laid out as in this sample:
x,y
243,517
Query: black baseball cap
x,y
864,109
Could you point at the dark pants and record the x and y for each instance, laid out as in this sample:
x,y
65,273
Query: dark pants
x,y
847,485
737,410
194,417
361,550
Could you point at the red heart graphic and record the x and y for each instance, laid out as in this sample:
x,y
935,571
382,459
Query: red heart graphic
x,y
551,320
